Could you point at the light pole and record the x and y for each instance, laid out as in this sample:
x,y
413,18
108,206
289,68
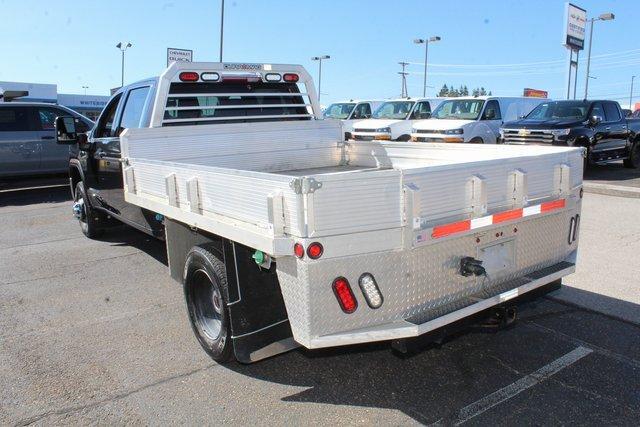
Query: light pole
x,y
426,53
631,94
87,87
604,17
123,47
221,28
319,59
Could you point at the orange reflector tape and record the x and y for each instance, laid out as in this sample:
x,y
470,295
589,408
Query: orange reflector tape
x,y
485,221
507,216
449,229
550,206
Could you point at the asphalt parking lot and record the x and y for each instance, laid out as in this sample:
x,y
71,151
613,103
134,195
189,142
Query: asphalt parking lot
x,y
95,332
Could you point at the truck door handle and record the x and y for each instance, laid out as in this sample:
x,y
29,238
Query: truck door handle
x,y
607,128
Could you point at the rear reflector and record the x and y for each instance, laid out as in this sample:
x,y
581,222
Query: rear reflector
x,y
370,290
291,78
189,76
315,250
210,77
273,77
344,294
298,250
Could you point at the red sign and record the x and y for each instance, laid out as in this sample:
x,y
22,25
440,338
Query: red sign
x,y
535,93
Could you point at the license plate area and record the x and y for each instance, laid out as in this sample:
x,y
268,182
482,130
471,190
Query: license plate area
x,y
498,257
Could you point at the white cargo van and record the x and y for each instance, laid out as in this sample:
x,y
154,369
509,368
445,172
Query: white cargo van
x,y
394,119
472,119
350,111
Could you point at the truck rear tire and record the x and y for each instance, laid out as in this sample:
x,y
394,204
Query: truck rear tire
x,y
87,217
205,291
633,162
476,140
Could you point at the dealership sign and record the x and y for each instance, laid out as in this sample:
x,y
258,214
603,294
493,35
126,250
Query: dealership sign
x,y
535,93
184,55
575,27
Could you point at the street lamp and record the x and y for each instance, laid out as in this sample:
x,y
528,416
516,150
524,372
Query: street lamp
x,y
604,17
123,47
631,94
426,52
87,87
319,59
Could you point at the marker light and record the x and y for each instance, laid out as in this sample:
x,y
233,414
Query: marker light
x,y
298,250
273,77
189,76
210,77
315,250
291,78
370,290
344,294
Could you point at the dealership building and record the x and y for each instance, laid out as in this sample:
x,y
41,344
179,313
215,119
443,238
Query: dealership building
x,y
88,105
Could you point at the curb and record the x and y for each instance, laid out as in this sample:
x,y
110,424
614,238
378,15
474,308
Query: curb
x,y
611,190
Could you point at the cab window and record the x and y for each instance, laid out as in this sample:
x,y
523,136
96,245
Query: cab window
x,y
492,111
597,110
362,111
611,112
105,123
422,111
46,118
133,108
14,119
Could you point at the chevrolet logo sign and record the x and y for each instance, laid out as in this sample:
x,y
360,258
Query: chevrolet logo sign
x,y
524,132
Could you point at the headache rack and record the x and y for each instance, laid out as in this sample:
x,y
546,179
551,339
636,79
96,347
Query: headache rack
x,y
208,93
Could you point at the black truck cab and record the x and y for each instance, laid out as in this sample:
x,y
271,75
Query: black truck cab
x,y
598,125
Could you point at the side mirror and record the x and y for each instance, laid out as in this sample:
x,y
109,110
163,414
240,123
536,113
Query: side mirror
x,y
66,133
594,120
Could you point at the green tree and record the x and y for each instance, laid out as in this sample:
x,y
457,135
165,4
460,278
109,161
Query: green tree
x,y
444,91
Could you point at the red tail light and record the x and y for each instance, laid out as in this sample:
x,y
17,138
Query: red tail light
x,y
291,78
298,250
189,76
315,250
344,294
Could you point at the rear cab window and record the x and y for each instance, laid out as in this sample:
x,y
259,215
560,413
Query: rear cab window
x,y
14,119
207,103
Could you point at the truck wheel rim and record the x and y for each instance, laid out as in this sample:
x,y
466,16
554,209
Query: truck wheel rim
x,y
208,305
79,209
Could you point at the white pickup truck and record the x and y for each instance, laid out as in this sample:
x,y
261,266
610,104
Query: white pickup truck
x,y
285,235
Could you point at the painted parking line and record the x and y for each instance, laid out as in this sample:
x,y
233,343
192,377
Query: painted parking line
x,y
513,389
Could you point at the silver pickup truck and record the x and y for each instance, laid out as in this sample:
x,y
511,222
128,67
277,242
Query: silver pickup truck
x,y
27,138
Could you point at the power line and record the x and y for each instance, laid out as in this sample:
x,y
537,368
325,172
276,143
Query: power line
x,y
527,64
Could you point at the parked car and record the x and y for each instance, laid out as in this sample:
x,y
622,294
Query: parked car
x,y
393,120
27,138
279,243
350,111
476,120
626,112
597,125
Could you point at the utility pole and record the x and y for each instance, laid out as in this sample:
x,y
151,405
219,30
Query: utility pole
x,y
320,59
404,92
123,47
221,28
87,87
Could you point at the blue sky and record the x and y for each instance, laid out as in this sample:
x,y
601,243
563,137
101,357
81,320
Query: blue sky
x,y
72,43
